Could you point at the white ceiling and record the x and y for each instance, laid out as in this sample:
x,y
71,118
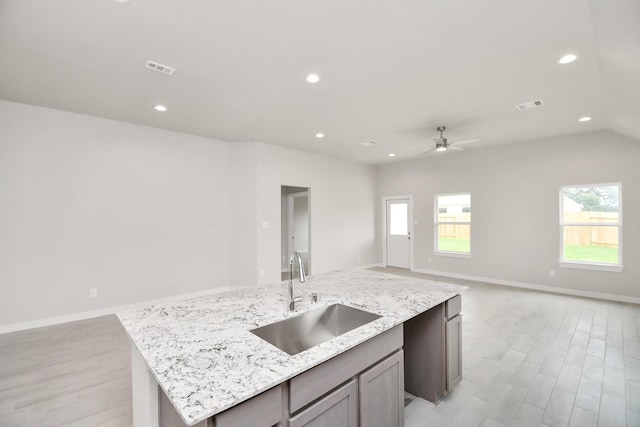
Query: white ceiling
x,y
390,71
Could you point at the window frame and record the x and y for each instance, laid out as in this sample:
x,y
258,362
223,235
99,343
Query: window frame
x,y
589,265
436,223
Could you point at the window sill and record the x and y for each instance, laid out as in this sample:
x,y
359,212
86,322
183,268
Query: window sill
x,y
452,254
591,266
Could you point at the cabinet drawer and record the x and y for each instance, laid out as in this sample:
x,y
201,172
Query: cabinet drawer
x,y
264,410
310,385
453,307
337,409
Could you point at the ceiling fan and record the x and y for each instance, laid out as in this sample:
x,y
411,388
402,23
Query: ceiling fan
x,y
442,144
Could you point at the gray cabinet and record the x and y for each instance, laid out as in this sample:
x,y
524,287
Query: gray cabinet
x,y
316,382
381,392
454,351
263,410
453,340
374,376
339,408
433,351
424,354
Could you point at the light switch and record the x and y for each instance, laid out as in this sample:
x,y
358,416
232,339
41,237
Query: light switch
x,y
266,224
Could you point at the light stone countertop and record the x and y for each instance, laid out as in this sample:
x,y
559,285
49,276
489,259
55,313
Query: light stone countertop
x,y
205,359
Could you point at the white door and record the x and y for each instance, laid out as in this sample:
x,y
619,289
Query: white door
x,y
398,234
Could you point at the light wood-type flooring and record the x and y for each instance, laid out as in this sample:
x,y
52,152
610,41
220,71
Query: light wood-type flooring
x,y
530,358
74,374
533,358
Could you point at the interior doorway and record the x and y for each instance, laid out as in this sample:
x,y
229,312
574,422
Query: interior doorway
x,y
397,245
295,227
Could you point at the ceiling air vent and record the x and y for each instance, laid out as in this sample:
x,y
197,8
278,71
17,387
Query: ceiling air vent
x,y
368,143
164,69
532,104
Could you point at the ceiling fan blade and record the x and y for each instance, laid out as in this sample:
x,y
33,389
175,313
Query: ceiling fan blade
x,y
467,141
454,147
430,150
413,147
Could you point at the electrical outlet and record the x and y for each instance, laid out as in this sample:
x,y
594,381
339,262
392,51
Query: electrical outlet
x,y
93,293
429,260
359,256
552,273
262,271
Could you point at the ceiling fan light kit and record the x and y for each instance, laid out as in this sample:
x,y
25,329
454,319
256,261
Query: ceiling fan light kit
x,y
443,144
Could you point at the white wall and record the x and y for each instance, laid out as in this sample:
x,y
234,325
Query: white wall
x,y
514,192
136,212
142,213
243,248
341,205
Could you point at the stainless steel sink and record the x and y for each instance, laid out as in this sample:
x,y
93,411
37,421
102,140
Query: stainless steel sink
x,y
314,327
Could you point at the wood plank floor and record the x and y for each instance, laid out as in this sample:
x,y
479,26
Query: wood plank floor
x,y
538,359
74,374
530,359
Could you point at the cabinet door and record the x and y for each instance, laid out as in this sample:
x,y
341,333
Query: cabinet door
x,y
454,351
336,409
382,393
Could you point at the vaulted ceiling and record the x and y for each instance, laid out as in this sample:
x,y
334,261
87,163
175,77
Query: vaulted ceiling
x,y
390,72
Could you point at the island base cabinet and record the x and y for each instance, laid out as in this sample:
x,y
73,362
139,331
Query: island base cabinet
x,y
382,393
339,408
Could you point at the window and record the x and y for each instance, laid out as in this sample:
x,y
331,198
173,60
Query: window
x,y
453,224
591,227
398,225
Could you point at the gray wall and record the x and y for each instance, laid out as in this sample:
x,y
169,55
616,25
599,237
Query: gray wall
x,y
515,221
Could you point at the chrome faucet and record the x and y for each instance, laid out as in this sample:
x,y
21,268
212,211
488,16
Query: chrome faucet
x,y
293,300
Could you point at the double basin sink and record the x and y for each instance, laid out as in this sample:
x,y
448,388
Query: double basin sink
x,y
296,334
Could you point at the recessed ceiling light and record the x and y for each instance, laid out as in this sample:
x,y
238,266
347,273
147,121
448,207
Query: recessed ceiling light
x,y
567,59
392,155
122,1
313,78
584,119
319,135
160,108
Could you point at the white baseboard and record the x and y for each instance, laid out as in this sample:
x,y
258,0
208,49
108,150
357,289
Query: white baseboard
x,y
103,311
544,288
377,264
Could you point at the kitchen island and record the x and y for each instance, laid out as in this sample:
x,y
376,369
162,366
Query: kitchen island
x,y
203,356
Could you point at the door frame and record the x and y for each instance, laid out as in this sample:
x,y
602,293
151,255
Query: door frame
x,y
290,197
410,226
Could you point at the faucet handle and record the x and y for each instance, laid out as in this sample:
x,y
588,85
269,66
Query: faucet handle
x,y
292,303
